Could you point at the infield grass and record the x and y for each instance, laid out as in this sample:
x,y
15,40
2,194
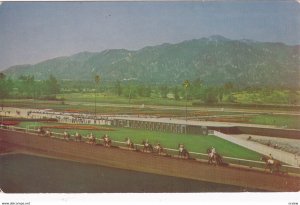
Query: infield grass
x,y
193,143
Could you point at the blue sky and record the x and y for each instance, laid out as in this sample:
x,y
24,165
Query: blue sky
x,y
31,32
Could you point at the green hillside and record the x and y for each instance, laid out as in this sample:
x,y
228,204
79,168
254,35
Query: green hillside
x,y
215,60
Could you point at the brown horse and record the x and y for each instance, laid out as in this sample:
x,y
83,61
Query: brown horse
x,y
183,152
78,137
129,143
147,146
214,158
106,141
159,149
92,140
66,135
41,131
272,164
48,133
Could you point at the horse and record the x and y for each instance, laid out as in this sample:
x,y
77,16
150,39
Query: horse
x,y
147,146
78,137
183,152
129,143
48,133
66,135
159,149
214,158
272,164
91,140
106,141
41,131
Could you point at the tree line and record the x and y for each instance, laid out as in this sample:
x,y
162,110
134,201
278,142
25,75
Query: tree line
x,y
26,86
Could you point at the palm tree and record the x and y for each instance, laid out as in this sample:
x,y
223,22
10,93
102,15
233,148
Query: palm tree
x,y
97,81
186,85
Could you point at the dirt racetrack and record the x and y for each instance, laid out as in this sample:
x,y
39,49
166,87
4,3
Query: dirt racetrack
x,y
145,162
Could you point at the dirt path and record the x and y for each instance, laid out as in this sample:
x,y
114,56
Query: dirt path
x,y
281,155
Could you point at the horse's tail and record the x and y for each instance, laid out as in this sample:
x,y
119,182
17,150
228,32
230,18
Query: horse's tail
x,y
151,147
187,154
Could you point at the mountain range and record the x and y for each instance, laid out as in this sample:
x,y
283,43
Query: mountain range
x,y
215,60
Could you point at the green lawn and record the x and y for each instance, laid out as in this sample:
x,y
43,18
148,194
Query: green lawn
x,y
109,98
292,122
264,96
194,143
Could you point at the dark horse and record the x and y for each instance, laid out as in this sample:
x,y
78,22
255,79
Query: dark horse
x,y
214,158
159,149
48,133
106,141
92,140
78,137
129,143
147,146
183,152
41,131
272,164
66,135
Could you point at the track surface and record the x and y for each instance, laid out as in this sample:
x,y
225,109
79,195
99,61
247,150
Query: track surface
x,y
145,162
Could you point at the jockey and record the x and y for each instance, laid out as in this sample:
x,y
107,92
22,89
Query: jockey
x,y
146,143
91,136
271,159
128,141
105,138
181,147
66,135
158,147
213,150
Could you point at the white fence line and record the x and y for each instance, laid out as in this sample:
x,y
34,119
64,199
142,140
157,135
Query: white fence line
x,y
282,156
17,129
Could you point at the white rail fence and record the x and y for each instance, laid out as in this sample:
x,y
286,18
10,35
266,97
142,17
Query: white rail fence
x,y
282,156
199,156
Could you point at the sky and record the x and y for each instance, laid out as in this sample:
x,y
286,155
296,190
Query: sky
x,y
31,32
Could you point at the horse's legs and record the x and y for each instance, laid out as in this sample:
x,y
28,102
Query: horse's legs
x,y
266,167
180,154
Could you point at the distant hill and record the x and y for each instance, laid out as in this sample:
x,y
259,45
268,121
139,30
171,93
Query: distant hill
x,y
215,60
